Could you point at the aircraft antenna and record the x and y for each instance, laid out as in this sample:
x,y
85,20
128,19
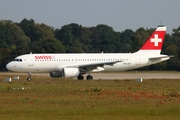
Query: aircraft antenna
x,y
160,25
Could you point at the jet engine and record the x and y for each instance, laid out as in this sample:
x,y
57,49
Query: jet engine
x,y
66,72
70,72
56,74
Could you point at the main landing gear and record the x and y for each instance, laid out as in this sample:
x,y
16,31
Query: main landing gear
x,y
80,77
89,77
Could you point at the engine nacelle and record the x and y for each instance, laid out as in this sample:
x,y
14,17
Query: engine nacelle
x,y
70,72
56,74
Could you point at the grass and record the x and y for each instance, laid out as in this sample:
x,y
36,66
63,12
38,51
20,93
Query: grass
x,y
49,98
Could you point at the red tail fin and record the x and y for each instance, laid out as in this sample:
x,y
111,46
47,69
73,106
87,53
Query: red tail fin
x,y
156,40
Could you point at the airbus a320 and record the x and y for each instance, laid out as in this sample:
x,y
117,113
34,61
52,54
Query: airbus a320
x,y
77,65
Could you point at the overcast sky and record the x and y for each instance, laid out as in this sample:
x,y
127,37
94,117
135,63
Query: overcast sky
x,y
119,14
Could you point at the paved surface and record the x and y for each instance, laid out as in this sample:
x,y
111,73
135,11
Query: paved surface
x,y
118,75
132,75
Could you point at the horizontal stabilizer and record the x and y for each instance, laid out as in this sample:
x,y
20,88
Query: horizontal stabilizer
x,y
160,57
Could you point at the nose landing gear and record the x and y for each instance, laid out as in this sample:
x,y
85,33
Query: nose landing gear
x,y
29,76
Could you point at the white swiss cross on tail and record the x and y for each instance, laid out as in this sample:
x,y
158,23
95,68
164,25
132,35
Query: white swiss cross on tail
x,y
156,40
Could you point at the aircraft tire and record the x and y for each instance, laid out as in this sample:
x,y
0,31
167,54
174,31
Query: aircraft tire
x,y
89,77
29,79
80,77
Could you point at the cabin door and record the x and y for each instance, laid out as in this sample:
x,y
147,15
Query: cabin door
x,y
30,60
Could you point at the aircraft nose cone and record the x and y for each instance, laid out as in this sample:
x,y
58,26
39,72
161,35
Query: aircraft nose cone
x,y
8,66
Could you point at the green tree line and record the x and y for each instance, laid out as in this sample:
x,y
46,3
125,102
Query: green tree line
x,y
29,36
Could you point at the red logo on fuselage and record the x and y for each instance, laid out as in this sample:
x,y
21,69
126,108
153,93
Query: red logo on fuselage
x,y
45,57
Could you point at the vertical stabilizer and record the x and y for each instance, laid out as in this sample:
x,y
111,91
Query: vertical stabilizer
x,y
155,41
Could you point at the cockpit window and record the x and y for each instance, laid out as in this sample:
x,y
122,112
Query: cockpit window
x,y
18,60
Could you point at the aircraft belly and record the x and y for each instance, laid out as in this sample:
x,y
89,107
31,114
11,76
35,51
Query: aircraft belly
x,y
117,67
123,66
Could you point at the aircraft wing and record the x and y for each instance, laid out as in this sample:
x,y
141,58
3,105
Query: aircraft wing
x,y
92,66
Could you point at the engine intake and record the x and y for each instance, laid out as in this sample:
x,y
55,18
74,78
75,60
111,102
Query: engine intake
x,y
70,72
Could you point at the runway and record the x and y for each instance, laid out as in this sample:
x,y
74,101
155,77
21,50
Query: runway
x,y
117,75
132,75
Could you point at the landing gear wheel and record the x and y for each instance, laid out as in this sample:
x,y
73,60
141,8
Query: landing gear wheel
x,y
89,77
29,76
29,79
80,77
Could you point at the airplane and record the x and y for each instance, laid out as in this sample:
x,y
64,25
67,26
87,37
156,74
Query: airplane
x,y
77,64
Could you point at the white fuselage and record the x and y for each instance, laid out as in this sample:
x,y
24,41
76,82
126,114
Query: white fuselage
x,y
55,62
